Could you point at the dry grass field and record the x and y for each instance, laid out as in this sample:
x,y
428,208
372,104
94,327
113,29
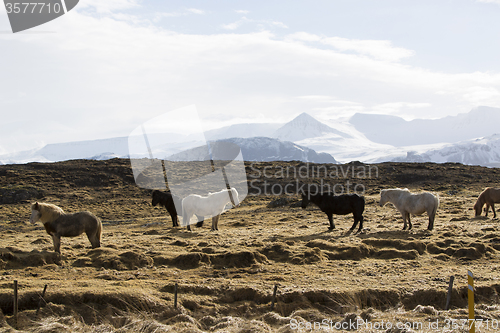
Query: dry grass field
x,y
384,279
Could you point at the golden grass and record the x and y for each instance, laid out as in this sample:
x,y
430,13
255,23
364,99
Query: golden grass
x,y
225,279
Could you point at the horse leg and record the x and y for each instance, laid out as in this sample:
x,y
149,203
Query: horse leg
x,y
431,222
360,224
354,224
404,219
493,209
200,221
173,215
185,218
57,242
330,219
215,220
486,209
409,221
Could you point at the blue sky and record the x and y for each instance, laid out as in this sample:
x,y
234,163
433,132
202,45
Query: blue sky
x,y
107,66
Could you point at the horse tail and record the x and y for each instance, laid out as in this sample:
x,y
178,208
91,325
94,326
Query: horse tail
x,y
432,216
185,212
436,205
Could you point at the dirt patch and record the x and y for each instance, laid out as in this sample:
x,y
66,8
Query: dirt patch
x,y
397,244
114,259
11,258
237,259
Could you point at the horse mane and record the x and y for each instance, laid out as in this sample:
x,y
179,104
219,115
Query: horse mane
x,y
49,212
481,200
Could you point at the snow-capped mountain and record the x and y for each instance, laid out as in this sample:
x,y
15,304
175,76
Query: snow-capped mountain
x,y
260,149
116,147
304,127
97,149
396,131
484,151
363,137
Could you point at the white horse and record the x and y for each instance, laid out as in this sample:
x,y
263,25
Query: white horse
x,y
211,205
408,203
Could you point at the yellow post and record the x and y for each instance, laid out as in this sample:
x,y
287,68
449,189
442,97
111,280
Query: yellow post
x,y
472,324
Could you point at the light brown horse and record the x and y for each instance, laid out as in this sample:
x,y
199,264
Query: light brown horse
x,y
489,196
59,224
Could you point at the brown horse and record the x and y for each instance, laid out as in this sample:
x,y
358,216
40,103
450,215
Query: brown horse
x,y
59,224
489,196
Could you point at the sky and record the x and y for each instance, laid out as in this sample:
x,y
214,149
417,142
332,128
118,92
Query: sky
x,y
106,67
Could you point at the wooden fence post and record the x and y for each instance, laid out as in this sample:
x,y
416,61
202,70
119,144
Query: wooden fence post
x,y
15,302
175,295
450,289
41,299
470,287
274,296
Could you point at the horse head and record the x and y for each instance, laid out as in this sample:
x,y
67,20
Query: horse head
x,y
35,213
155,199
233,196
478,207
305,200
383,198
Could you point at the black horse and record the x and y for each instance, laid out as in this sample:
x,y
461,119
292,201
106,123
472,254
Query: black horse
x,y
169,201
340,205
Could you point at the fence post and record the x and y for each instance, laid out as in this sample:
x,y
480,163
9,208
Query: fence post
x,y
274,296
450,289
472,324
15,302
175,295
41,299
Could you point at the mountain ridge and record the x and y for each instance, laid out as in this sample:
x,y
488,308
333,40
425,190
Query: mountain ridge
x,y
393,130
259,149
466,138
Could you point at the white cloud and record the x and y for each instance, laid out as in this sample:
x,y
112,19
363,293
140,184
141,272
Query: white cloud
x,y
398,108
481,95
262,24
302,36
196,11
489,1
158,16
279,24
100,78
241,11
235,25
108,6
378,49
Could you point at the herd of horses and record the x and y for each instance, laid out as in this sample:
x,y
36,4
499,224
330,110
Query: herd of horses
x,y
59,224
